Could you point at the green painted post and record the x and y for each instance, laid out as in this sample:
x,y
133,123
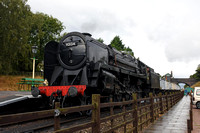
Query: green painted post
x,y
96,113
135,113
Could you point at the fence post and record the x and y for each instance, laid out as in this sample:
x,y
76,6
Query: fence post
x,y
179,96
191,120
161,103
167,102
111,113
135,113
188,126
172,96
191,113
57,116
124,117
170,100
152,107
175,99
96,113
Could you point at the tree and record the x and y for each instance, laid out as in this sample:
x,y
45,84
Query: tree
x,y
117,43
44,28
14,28
129,51
197,74
61,36
100,40
19,30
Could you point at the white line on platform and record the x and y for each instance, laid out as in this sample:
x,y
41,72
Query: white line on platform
x,y
13,100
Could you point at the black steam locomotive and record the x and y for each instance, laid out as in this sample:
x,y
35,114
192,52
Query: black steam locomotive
x,y
80,66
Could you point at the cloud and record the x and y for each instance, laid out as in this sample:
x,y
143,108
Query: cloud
x,y
179,34
163,34
105,21
185,47
100,22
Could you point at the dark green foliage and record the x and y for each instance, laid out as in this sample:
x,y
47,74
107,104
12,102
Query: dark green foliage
x,y
100,40
129,51
14,28
19,30
117,43
61,36
196,75
44,28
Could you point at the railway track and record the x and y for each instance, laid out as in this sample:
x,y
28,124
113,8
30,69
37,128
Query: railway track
x,y
43,125
47,124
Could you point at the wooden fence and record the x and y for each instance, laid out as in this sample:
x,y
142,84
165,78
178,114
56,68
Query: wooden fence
x,y
134,116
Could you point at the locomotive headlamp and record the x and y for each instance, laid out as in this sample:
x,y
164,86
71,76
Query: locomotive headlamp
x,y
72,92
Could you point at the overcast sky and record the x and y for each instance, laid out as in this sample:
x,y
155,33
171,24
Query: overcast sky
x,y
164,34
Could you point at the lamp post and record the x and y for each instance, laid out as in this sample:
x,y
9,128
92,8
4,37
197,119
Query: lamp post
x,y
34,51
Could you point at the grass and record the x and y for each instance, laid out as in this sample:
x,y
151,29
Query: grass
x,y
9,83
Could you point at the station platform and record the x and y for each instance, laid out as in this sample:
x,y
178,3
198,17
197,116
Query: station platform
x,y
8,97
196,119
173,121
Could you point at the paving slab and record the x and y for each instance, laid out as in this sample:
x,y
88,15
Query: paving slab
x,y
173,121
196,119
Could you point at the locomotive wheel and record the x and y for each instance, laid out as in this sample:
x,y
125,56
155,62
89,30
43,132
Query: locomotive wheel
x,y
86,101
88,112
52,100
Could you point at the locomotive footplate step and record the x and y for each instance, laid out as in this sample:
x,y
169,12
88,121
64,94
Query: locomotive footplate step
x,y
8,97
174,121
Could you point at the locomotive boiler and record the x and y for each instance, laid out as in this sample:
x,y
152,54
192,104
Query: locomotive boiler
x,y
79,66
